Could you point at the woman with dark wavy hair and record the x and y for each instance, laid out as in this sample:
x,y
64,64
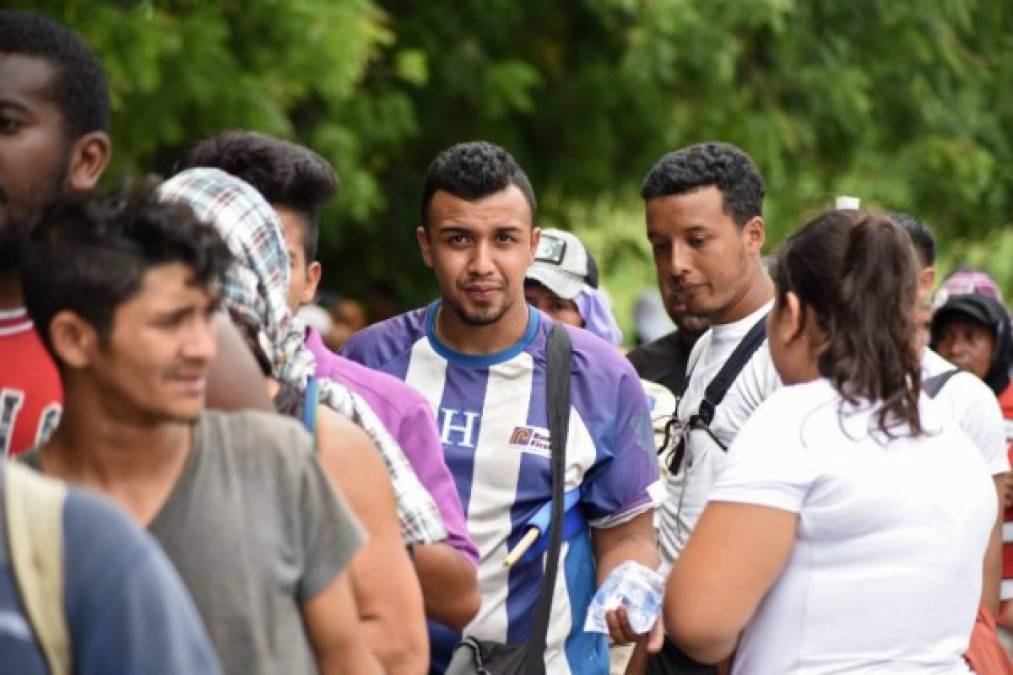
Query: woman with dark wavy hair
x,y
847,531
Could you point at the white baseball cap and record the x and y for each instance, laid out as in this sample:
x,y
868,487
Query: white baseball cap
x,y
563,264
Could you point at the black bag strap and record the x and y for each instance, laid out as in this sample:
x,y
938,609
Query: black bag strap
x,y
557,385
718,387
933,385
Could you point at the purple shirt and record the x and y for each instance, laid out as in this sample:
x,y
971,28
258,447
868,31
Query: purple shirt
x,y
409,419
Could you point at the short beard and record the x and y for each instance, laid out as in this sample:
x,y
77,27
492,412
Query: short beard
x,y
477,320
12,239
14,227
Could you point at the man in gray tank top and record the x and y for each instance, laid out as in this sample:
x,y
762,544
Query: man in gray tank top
x,y
123,289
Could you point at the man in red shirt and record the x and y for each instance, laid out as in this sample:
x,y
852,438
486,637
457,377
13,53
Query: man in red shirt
x,y
54,121
54,139
30,398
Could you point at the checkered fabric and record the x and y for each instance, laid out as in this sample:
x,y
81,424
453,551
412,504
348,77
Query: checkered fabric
x,y
255,290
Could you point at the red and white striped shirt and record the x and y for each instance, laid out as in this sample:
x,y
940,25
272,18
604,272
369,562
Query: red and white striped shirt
x,y
30,394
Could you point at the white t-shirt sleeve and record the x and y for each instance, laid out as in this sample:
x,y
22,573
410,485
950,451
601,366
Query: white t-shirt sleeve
x,y
980,417
767,464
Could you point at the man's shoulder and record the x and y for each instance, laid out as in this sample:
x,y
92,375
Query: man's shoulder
x,y
379,343
933,364
701,347
95,527
591,354
247,439
965,390
261,422
85,515
664,347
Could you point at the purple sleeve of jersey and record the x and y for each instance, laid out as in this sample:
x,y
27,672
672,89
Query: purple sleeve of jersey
x,y
420,441
617,488
375,345
357,349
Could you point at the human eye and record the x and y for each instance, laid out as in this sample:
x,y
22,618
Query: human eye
x,y
697,240
171,320
658,246
8,124
456,239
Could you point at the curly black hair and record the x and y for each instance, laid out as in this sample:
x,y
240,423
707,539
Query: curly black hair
x,y
90,254
79,87
719,164
286,174
921,235
472,171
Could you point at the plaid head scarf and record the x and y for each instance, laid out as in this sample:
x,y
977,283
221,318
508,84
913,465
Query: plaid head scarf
x,y
255,293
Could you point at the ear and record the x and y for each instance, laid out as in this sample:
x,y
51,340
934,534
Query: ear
x,y
422,236
536,235
790,322
73,339
754,233
313,273
89,157
926,282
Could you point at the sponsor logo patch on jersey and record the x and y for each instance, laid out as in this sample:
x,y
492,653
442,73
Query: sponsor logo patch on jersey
x,y
531,439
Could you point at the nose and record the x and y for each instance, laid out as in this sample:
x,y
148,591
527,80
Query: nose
x,y
200,342
954,347
678,259
481,262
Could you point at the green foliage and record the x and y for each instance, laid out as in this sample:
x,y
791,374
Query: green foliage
x,y
905,103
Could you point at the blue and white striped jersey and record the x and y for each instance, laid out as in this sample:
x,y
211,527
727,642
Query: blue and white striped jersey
x,y
492,417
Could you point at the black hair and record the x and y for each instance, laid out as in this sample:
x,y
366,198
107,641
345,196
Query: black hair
x,y
920,235
79,87
90,254
857,271
472,171
722,165
286,174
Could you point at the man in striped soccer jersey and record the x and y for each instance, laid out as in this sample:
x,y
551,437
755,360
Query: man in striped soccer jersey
x,y
478,355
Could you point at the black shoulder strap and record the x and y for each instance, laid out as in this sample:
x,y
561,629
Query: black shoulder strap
x,y
557,385
718,387
933,385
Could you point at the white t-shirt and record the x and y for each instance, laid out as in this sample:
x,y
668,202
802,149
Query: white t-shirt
x,y
688,490
974,407
885,572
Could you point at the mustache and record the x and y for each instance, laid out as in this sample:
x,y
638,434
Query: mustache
x,y
489,281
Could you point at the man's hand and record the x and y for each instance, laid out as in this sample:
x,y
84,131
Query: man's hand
x,y
622,633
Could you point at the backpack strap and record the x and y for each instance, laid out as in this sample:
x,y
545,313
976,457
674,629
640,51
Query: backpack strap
x,y
719,386
311,401
33,506
933,385
557,384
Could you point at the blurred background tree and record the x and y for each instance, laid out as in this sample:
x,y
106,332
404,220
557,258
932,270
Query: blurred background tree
x,y
904,103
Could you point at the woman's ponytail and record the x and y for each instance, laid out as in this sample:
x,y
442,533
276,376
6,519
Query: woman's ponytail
x,y
857,271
